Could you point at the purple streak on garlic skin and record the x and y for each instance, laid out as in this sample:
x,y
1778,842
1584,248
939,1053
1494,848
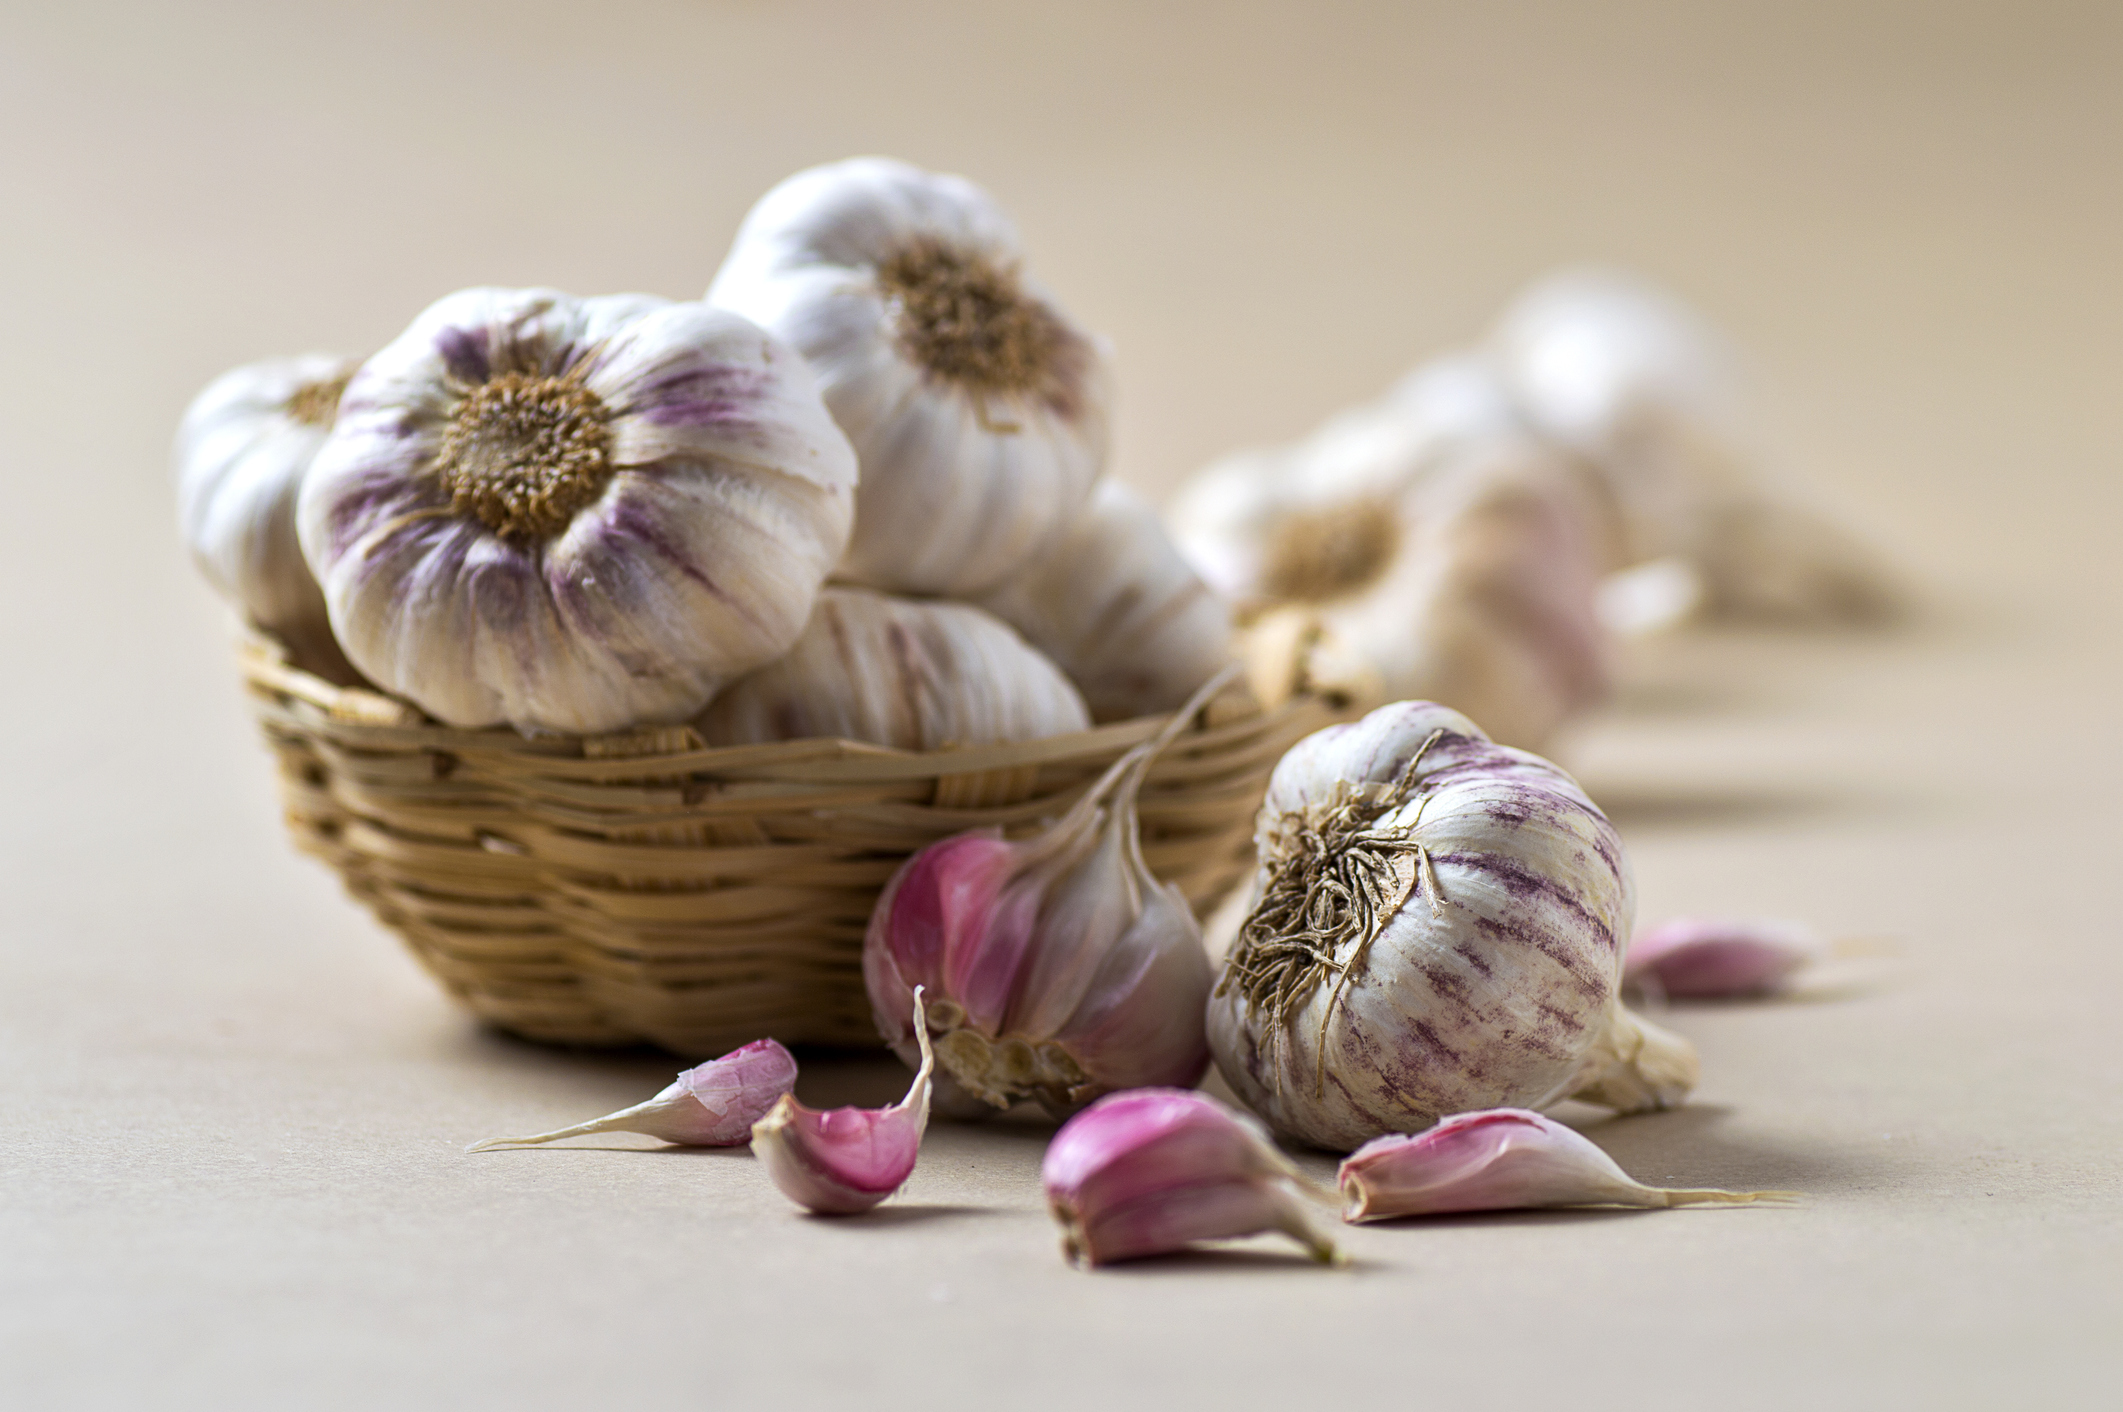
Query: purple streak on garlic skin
x,y
1693,958
1153,1170
1504,1159
710,1105
843,1161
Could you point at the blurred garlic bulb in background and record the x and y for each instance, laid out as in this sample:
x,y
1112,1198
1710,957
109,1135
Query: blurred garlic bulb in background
x,y
1117,608
1437,926
977,410
574,514
895,671
242,450
1299,522
1629,378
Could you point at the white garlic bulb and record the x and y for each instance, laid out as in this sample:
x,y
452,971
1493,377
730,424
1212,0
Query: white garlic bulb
x,y
899,672
1629,378
1116,607
574,514
1437,927
1300,522
242,450
977,410
1484,594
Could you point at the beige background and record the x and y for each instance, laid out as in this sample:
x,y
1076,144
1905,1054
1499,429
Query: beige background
x,y
233,1108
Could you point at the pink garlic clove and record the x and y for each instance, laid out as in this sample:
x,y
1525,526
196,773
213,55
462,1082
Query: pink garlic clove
x,y
1694,958
1058,967
1152,1170
710,1105
841,1161
1503,1159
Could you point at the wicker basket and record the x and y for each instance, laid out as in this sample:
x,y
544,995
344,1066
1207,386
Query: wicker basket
x,y
614,889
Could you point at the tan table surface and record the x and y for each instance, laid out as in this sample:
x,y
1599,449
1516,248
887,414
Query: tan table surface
x,y
234,1109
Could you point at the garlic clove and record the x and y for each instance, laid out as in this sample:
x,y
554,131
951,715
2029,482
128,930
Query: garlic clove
x,y
842,1161
710,1105
898,672
1061,967
1503,1159
1151,1171
1696,958
979,412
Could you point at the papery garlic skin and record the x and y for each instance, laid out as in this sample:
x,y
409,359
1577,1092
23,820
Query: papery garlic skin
x,y
1505,1159
1480,969
892,671
242,451
709,1105
1153,1170
1117,607
978,411
1696,958
1059,968
843,1161
574,514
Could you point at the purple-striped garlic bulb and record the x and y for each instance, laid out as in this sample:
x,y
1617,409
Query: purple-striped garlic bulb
x,y
1437,927
242,451
1058,967
911,673
1118,609
977,409
574,515
709,1105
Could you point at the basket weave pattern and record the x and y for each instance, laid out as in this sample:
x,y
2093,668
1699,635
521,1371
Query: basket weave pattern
x,y
615,889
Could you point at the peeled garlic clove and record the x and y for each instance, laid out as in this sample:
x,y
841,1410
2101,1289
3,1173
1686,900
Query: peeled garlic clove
x,y
840,1161
1153,1170
1060,967
1437,929
1505,1159
979,412
574,514
242,451
1695,958
1117,608
710,1105
900,672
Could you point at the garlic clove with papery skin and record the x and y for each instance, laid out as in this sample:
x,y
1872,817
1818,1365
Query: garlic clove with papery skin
x,y
1060,967
914,674
1115,605
1697,958
1504,1159
843,1161
242,451
574,515
709,1105
1152,1170
977,409
1436,928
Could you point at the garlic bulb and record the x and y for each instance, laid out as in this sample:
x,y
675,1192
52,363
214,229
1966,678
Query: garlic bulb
x,y
977,409
1152,1170
1302,523
1117,608
1437,927
894,671
1629,378
242,451
574,514
1506,1159
709,1105
1058,967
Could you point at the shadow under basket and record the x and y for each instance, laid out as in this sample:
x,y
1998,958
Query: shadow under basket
x,y
609,890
